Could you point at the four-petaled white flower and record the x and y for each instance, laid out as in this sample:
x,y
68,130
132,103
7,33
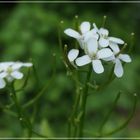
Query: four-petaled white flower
x,y
84,35
117,59
105,40
10,71
93,55
97,46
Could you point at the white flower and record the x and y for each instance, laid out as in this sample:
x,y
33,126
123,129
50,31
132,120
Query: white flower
x,y
117,59
11,71
118,69
93,55
105,40
84,35
97,46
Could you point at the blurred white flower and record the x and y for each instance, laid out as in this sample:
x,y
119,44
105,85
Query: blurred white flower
x,y
94,55
84,35
105,40
10,71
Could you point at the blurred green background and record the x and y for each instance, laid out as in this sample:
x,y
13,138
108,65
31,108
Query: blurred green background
x,y
31,31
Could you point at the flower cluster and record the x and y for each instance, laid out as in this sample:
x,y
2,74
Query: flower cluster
x,y
97,46
10,71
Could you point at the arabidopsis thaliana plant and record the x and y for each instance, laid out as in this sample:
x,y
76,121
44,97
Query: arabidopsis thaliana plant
x,y
11,71
97,46
84,35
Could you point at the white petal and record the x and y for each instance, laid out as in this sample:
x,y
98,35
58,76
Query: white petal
x,y
114,47
103,32
111,58
72,33
83,60
92,46
5,65
97,66
3,74
2,83
118,70
27,64
104,53
17,75
81,43
17,65
91,34
85,27
95,27
125,58
72,54
116,40
103,42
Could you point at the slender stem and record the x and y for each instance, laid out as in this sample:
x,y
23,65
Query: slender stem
x,y
14,98
108,82
36,75
131,47
60,36
72,117
32,101
25,82
83,104
38,95
104,21
76,24
75,106
24,121
127,120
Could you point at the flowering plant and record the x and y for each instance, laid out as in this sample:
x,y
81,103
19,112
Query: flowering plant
x,y
99,49
95,48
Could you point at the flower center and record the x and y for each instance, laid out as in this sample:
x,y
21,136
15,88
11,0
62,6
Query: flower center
x,y
9,70
92,56
104,36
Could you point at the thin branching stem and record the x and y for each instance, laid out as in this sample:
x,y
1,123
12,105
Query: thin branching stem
x,y
38,95
25,82
127,120
109,113
83,104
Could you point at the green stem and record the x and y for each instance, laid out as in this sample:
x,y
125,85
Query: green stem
x,y
131,47
83,104
32,101
104,21
25,82
60,36
72,117
75,106
127,121
25,122
38,95
14,98
108,82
